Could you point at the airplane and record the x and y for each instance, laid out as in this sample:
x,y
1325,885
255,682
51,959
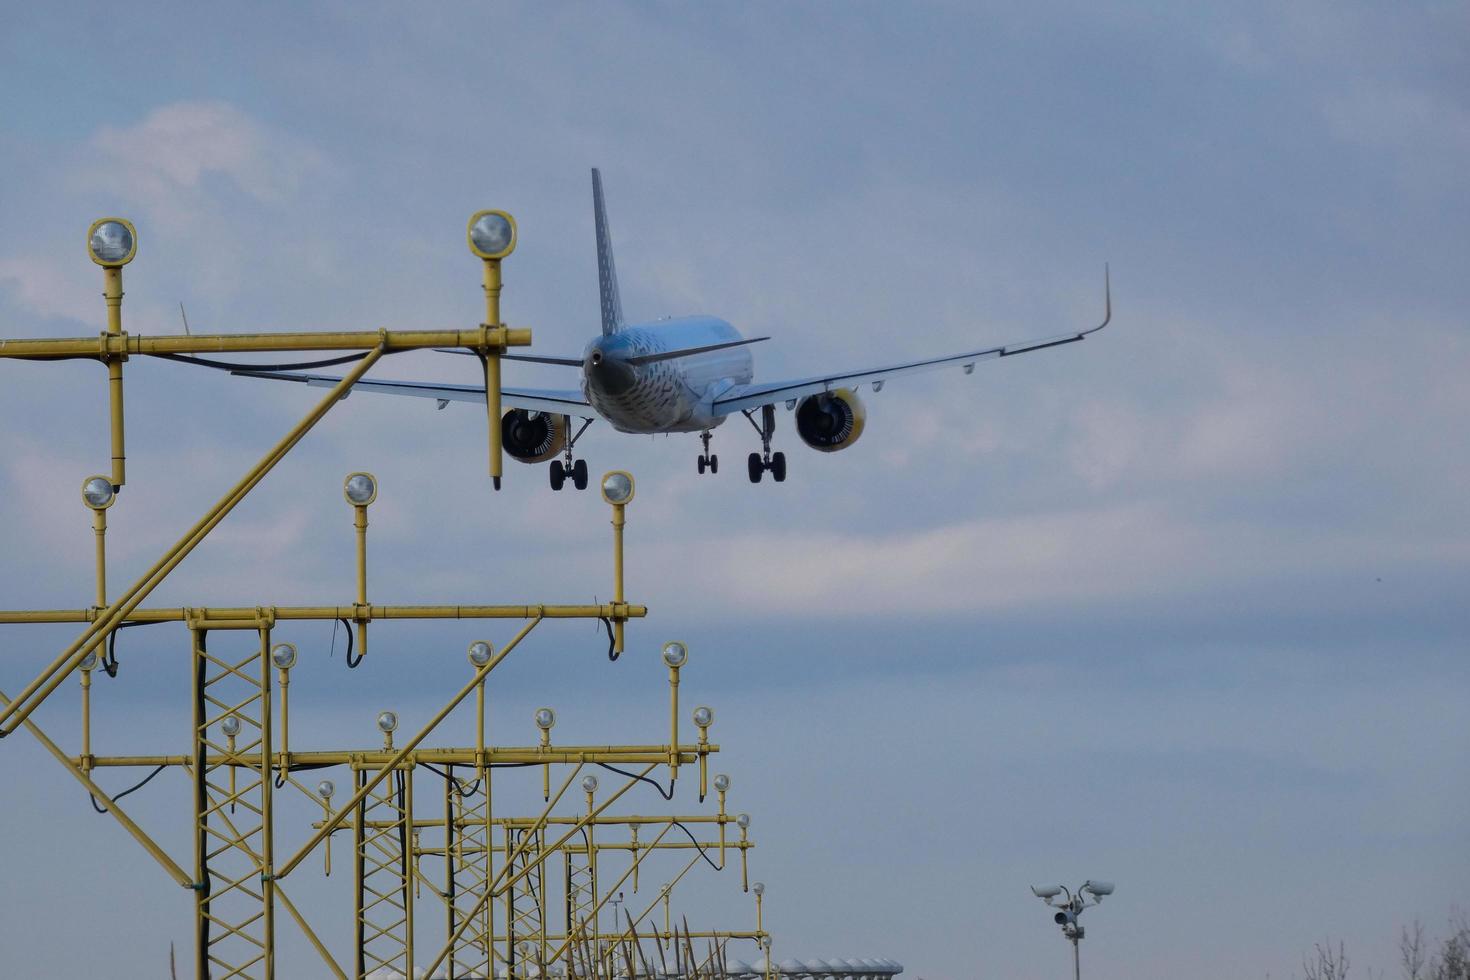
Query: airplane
x,y
682,374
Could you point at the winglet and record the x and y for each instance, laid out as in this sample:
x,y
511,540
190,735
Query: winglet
x,y
1107,303
607,276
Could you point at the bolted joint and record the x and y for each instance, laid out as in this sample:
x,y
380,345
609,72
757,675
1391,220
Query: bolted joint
x,y
112,346
362,612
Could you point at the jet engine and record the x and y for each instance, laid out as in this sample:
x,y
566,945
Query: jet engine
x,y
533,437
832,420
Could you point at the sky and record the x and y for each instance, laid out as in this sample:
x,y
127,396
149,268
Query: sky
x,y
1180,607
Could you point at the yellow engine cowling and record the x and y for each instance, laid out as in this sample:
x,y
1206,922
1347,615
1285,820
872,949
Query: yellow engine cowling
x,y
832,420
532,437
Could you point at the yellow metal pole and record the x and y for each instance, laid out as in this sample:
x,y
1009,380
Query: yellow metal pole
x,y
112,292
177,614
241,343
86,760
490,355
174,871
99,530
360,522
114,614
310,935
673,723
404,752
618,598
284,680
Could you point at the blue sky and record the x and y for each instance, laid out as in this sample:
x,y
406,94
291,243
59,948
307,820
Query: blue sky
x,y
1181,606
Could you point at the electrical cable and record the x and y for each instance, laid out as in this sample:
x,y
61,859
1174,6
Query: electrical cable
x,y
247,366
351,664
669,795
109,656
144,782
612,653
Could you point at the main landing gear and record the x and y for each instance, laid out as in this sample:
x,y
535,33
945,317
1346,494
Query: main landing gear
x,y
764,460
707,460
574,468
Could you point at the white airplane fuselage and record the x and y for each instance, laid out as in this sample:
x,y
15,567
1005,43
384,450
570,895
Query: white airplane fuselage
x,y
674,395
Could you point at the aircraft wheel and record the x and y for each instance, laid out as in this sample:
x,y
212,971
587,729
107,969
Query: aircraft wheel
x,y
756,467
714,464
701,466
778,467
579,474
558,474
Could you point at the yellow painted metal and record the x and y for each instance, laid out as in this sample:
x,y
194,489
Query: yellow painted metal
x,y
391,341
360,523
328,614
490,357
112,292
99,532
110,618
618,520
376,759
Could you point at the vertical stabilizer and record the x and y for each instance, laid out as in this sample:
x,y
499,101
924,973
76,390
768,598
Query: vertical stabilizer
x,y
607,276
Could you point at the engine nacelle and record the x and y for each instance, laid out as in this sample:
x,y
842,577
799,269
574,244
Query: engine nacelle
x,y
832,420
532,437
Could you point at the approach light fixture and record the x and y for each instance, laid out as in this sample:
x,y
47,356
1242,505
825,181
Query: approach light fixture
x,y
589,784
743,821
545,719
759,888
703,717
283,655
360,489
230,726
480,653
89,662
675,654
492,234
325,789
98,492
112,242
722,783
617,487
387,722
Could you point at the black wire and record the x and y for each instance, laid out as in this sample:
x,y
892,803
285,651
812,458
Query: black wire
x,y
109,657
351,664
130,789
697,846
612,653
633,775
247,366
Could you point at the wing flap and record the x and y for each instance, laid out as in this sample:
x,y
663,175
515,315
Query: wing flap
x,y
554,401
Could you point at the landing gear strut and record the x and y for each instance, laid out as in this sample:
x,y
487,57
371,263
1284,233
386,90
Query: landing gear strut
x,y
760,462
574,468
708,460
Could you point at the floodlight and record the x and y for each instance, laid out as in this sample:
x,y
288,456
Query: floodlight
x,y
722,783
617,487
360,489
98,492
1047,892
589,784
492,234
387,722
545,719
480,653
89,662
675,653
743,821
759,888
1098,888
283,655
325,789
703,716
230,726
112,242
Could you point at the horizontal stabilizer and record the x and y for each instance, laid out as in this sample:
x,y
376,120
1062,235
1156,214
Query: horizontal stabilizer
x,y
639,360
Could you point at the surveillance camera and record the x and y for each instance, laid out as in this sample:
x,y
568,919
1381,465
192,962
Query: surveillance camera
x,y
1047,892
1099,888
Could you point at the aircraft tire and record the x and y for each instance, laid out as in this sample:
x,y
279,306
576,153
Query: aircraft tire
x,y
755,466
778,467
701,466
558,474
714,464
579,474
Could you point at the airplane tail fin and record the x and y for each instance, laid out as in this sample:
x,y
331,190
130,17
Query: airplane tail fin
x,y
607,276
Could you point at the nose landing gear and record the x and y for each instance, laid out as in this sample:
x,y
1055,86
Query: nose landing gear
x,y
765,460
708,460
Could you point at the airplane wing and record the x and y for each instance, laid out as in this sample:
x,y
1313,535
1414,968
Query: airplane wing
x,y
743,398
555,401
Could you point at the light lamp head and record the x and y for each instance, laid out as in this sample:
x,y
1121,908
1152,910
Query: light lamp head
x,y
98,492
360,489
492,234
89,662
480,653
703,716
283,655
387,722
759,888
545,719
589,784
675,654
722,783
112,242
230,726
617,487
743,821
325,789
